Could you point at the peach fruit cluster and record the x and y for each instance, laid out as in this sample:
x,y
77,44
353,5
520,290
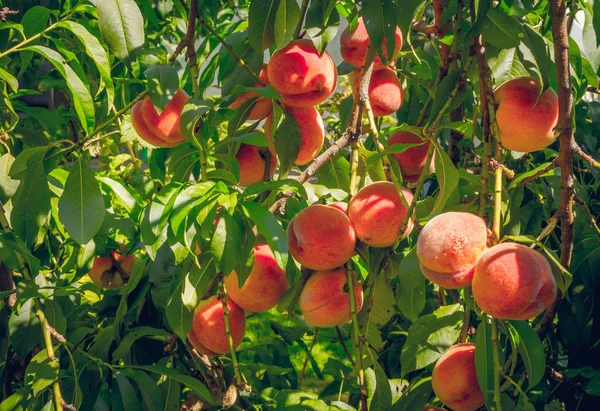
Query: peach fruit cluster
x,y
105,274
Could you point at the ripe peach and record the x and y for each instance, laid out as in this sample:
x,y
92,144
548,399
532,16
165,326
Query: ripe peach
x,y
160,130
325,298
354,46
513,282
412,161
449,247
385,91
263,106
208,326
312,132
343,207
265,285
525,118
321,237
300,75
376,212
454,379
252,162
430,408
105,275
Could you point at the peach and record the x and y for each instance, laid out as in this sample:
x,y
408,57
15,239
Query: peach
x,y
312,132
385,91
454,379
376,212
354,46
343,207
449,247
159,130
430,408
208,326
265,285
263,106
105,274
300,75
252,162
412,161
513,282
526,119
325,298
321,237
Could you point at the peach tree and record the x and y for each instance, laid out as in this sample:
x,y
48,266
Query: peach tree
x,y
304,205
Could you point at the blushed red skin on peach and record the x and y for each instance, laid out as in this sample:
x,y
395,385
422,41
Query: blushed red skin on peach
x,y
340,205
376,212
312,132
139,124
208,325
263,106
264,286
112,278
321,237
353,46
449,246
197,345
252,162
412,161
300,75
454,379
513,282
525,119
325,299
385,91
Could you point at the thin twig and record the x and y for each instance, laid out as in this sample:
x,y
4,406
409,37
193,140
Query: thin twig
x,y
343,344
583,155
541,172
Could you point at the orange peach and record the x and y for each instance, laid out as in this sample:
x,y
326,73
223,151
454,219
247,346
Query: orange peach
x,y
526,119
321,237
252,162
208,326
454,379
325,298
263,106
412,161
300,75
449,247
354,45
385,91
105,274
376,212
265,285
312,132
513,282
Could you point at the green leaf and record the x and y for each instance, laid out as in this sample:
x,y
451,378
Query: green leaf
x,y
24,329
81,206
537,46
10,79
82,99
443,92
128,197
122,26
179,316
322,22
447,177
286,20
227,243
380,17
379,393
197,281
406,11
127,396
191,120
484,360
287,143
335,173
153,398
377,310
261,23
410,292
268,226
515,182
132,336
590,38
254,138
8,186
42,371
530,350
279,185
501,30
507,65
415,398
163,82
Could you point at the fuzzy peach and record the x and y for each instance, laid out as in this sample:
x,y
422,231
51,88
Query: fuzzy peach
x,y
454,379
105,274
343,207
160,130
325,298
208,326
263,106
321,237
265,285
197,345
253,161
300,75
412,161
354,45
312,132
526,119
385,91
449,247
376,212
513,282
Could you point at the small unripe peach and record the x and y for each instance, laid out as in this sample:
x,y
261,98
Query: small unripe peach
x,y
385,91
354,46
412,161
526,119
264,286
208,326
301,76
449,247
454,379
263,106
513,282
321,237
325,298
376,212
252,161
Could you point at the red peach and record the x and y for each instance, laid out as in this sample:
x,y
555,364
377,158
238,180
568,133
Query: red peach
x,y
252,162
412,161
105,274
385,91
343,207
